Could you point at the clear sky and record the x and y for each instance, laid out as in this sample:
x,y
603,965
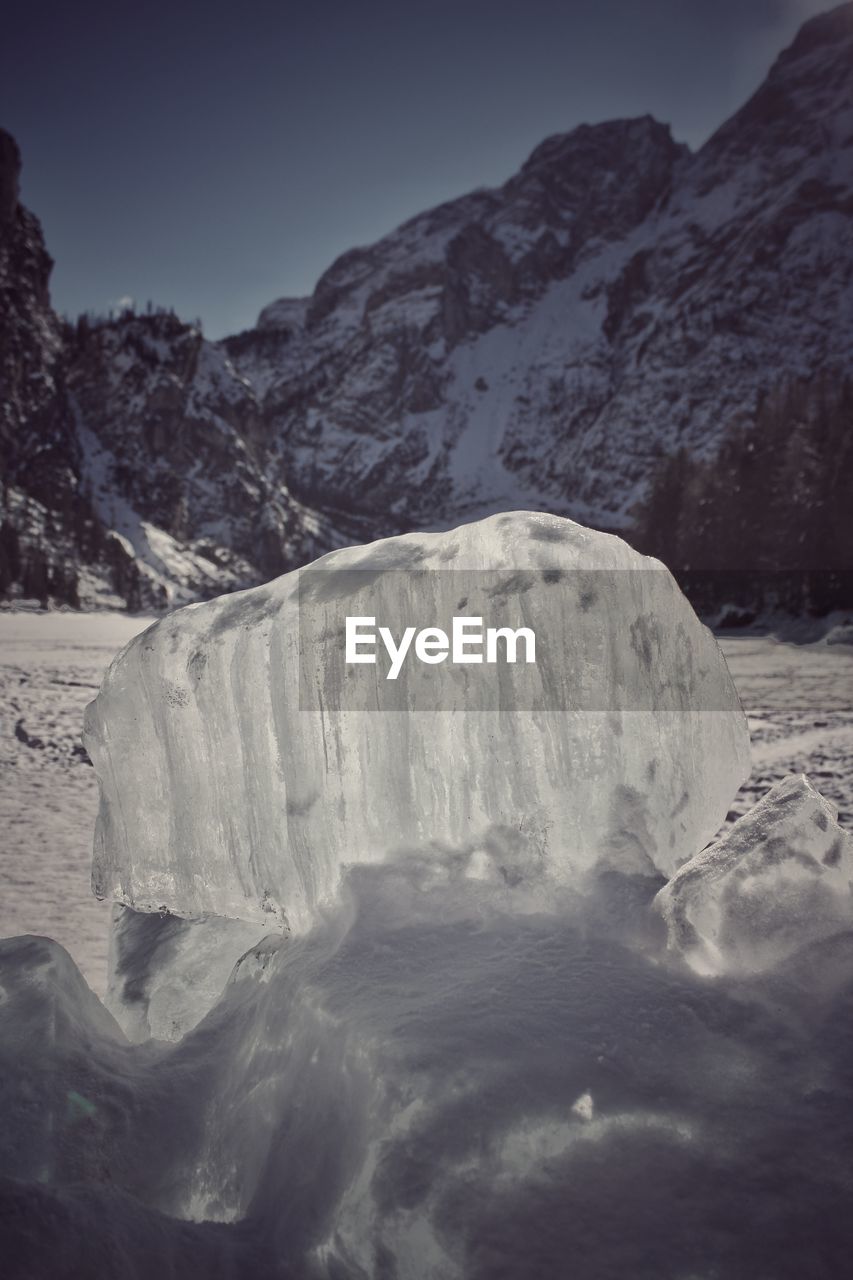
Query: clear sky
x,y
214,156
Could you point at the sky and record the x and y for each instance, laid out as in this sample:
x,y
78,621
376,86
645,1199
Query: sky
x,y
215,156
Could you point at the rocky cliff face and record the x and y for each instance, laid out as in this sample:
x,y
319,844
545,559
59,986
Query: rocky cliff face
x,y
173,457
37,442
132,452
537,345
406,374
32,419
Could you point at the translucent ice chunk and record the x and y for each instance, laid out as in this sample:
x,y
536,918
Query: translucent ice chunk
x,y
165,973
242,762
780,879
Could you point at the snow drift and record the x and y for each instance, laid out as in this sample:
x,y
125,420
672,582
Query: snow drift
x,y
442,1078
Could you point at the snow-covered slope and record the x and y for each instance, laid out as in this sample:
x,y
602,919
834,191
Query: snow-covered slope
x,y
544,342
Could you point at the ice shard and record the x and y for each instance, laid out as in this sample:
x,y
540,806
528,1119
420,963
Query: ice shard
x,y
165,973
779,879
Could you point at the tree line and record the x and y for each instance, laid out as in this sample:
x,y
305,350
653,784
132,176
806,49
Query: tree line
x,y
764,522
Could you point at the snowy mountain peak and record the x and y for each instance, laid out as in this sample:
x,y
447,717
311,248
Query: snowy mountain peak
x,y
804,105
826,31
285,313
546,341
540,344
593,145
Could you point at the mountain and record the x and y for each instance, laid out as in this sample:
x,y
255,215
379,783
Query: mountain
x,y
173,454
37,440
541,343
545,344
450,366
133,454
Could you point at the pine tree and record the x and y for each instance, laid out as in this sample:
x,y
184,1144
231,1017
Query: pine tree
x,y
10,552
35,579
767,518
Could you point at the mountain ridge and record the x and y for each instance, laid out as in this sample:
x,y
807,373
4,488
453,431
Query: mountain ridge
x,y
541,344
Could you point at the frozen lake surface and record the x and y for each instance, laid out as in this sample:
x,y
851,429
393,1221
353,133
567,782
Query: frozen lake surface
x,y
799,700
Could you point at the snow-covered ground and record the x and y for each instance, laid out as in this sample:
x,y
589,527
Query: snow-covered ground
x,y
799,700
50,666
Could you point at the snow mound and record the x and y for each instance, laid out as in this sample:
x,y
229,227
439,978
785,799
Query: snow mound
x,y
242,763
779,879
440,1078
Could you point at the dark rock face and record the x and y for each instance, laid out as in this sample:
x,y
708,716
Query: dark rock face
x,y
540,344
10,172
42,504
172,443
130,450
30,344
